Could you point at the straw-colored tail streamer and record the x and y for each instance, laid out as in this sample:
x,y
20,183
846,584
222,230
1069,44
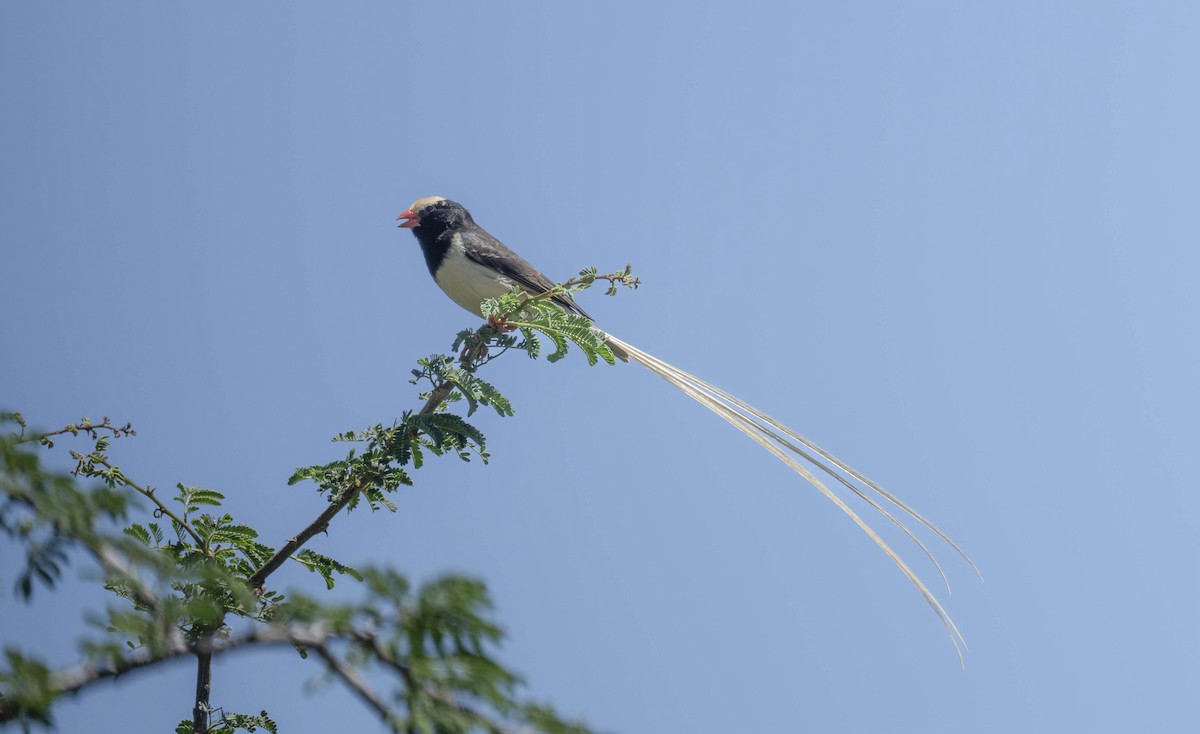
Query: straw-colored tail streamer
x,y
790,447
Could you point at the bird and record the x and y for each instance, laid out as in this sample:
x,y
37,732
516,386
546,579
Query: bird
x,y
470,265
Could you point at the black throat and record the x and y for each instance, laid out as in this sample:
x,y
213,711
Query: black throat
x,y
438,225
434,245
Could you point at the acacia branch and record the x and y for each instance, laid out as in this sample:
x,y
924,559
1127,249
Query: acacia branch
x,y
204,658
346,653
104,554
71,681
256,581
356,683
84,426
315,637
387,659
148,492
565,288
111,563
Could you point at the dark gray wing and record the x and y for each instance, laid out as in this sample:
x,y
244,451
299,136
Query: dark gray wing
x,y
491,252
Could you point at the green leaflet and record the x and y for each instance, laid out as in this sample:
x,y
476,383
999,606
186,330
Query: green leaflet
x,y
325,566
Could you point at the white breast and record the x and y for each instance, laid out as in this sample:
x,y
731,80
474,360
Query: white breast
x,y
466,281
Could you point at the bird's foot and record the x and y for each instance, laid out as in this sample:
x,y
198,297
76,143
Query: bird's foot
x,y
500,323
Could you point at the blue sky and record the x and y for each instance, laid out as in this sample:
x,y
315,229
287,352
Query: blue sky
x,y
953,242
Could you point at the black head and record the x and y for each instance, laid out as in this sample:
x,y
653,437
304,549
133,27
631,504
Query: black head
x,y
433,220
433,215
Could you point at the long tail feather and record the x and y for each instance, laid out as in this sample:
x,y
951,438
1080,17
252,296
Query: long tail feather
x,y
786,445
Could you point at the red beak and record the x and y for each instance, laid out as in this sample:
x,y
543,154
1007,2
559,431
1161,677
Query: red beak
x,y
411,220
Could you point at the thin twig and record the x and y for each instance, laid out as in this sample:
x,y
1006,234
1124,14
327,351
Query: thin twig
x,y
256,581
560,289
87,427
113,565
385,657
162,507
356,683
